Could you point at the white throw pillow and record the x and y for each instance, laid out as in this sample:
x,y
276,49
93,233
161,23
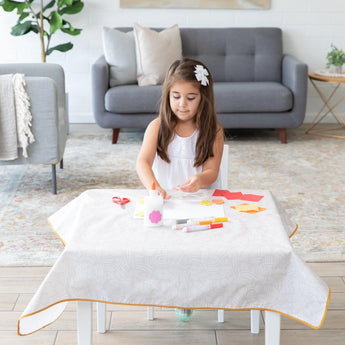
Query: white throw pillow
x,y
155,52
119,52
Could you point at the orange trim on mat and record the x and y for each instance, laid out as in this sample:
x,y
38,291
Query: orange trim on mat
x,y
294,231
165,306
60,238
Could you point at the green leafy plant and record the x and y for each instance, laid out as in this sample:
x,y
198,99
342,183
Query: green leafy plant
x,y
335,57
44,18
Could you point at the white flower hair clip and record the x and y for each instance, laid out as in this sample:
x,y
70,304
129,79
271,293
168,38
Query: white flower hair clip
x,y
201,74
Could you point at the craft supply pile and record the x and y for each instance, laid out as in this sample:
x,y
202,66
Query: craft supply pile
x,y
190,213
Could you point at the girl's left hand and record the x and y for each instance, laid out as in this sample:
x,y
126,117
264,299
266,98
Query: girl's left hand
x,y
192,185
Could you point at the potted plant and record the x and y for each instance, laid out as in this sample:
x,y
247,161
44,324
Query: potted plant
x,y
45,18
335,59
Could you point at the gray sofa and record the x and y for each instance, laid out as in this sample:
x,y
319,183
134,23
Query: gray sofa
x,y
255,84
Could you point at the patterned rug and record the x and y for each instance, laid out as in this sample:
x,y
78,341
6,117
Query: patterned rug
x,y
306,175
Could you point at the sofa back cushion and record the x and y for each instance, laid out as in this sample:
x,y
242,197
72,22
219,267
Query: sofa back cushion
x,y
235,54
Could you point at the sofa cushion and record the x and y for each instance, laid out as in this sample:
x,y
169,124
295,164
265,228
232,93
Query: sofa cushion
x,y
242,97
229,97
133,99
119,52
155,52
236,54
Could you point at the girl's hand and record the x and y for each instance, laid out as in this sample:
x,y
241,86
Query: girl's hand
x,y
192,185
163,193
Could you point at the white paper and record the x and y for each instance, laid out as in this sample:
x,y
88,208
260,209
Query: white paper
x,y
176,209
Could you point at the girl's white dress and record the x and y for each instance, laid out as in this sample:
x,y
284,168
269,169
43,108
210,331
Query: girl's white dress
x,y
181,152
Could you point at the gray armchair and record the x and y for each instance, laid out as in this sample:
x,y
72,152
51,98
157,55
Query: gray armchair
x,y
45,85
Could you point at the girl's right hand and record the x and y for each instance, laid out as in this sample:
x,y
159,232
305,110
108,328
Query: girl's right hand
x,y
192,185
163,193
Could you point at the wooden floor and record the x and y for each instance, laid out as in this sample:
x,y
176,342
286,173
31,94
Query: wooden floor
x,y
128,325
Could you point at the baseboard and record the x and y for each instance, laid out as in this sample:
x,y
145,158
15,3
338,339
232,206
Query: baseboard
x,y
81,118
88,118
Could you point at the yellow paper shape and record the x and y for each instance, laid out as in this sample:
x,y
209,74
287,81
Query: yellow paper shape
x,y
206,203
247,207
139,209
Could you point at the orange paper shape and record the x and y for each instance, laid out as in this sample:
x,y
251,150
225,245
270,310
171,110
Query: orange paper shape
x,y
218,201
248,208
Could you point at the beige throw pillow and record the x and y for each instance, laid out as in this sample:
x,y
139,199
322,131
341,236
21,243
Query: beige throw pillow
x,y
155,52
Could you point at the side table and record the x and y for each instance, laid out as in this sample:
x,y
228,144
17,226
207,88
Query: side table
x,y
313,77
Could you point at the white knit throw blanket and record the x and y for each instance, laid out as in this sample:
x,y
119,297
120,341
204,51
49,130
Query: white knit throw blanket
x,y
15,117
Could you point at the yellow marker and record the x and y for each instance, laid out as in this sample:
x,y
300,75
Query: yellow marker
x,y
207,220
220,219
206,203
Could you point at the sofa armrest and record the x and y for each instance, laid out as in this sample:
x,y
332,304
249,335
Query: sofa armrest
x,y
295,77
100,85
294,73
50,70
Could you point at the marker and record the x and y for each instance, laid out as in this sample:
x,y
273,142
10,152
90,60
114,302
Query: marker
x,y
183,225
199,222
192,220
181,221
202,227
211,219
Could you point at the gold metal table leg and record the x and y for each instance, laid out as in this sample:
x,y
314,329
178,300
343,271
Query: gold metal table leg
x,y
331,109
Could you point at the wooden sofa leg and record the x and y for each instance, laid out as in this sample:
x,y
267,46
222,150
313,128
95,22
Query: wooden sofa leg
x,y
283,135
116,132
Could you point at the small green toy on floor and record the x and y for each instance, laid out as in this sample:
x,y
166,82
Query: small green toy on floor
x,y
183,314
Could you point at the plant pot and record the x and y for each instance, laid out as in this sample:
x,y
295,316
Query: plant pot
x,y
336,69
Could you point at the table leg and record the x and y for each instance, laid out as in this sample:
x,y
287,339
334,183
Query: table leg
x,y
150,313
84,322
326,103
255,321
220,315
272,328
101,317
331,109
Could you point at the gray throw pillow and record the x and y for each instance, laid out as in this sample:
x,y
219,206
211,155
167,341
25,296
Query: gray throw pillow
x,y
119,52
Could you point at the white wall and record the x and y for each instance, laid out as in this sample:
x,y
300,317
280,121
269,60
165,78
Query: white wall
x,y
309,26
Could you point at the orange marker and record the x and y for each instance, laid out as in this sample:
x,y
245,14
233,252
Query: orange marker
x,y
202,227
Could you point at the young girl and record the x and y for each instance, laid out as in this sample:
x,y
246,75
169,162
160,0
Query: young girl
x,y
183,147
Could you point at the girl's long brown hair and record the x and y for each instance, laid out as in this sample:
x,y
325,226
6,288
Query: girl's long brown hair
x,y
205,119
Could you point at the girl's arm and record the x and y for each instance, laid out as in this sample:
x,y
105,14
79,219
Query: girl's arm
x,y
210,168
147,155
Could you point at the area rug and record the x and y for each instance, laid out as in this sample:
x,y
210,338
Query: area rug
x,y
306,175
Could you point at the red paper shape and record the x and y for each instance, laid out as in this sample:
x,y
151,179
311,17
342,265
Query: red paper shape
x,y
227,194
251,197
237,195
